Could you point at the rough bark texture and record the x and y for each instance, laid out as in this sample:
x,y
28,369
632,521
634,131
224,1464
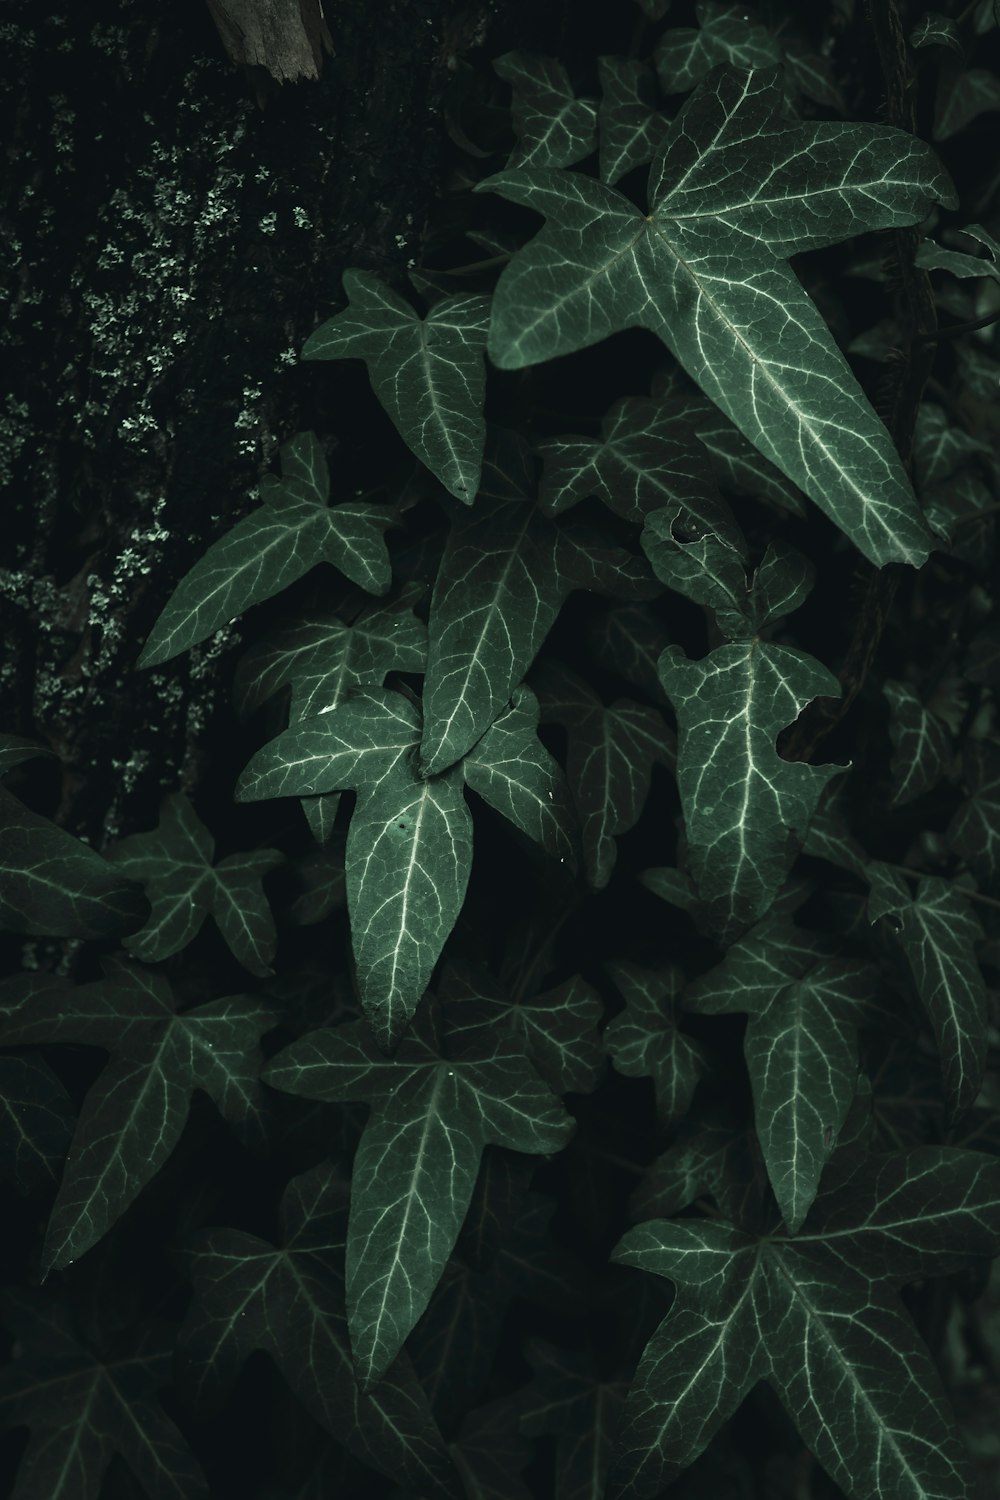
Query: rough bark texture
x,y
175,229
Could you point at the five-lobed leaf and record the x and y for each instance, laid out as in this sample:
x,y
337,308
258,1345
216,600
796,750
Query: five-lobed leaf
x,y
428,373
175,864
735,190
288,1300
133,1115
812,1316
87,1402
432,1114
293,529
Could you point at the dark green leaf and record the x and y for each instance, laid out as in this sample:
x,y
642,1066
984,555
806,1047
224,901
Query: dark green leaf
x,y
288,1299
428,373
293,529
554,128
416,1166
133,1115
174,862
706,270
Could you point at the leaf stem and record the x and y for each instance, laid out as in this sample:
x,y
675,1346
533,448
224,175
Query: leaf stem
x,y
955,330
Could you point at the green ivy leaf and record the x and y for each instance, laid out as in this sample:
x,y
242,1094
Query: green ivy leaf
x,y
612,752
813,1315
803,1004
935,30
710,1158
921,748
631,128
745,809
52,884
416,1165
937,933
409,845
707,271
293,529
183,885
511,769
321,658
556,1030
428,373
288,1300
725,34
936,258
88,1402
629,639
568,1399
36,1123
133,1116
974,831
504,576
646,1042
554,128
647,461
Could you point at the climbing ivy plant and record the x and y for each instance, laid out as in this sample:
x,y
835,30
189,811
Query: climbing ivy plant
x,y
587,1085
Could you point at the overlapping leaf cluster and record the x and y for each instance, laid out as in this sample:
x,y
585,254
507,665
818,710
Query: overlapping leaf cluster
x,y
532,839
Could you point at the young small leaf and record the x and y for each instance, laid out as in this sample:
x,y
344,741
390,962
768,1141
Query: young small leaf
x,y
293,529
175,864
554,128
428,373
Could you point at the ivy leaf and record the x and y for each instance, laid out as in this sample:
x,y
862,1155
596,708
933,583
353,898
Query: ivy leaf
x,y
921,749
511,769
409,845
937,933
612,752
556,1030
52,884
739,468
288,1300
504,576
936,30
647,460
708,1157
86,1404
428,373
36,1123
645,1041
133,1116
974,831
321,658
629,639
631,128
708,570
568,1399
707,271
812,1315
554,128
415,1168
936,257
745,809
175,864
293,529
800,1045
724,34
